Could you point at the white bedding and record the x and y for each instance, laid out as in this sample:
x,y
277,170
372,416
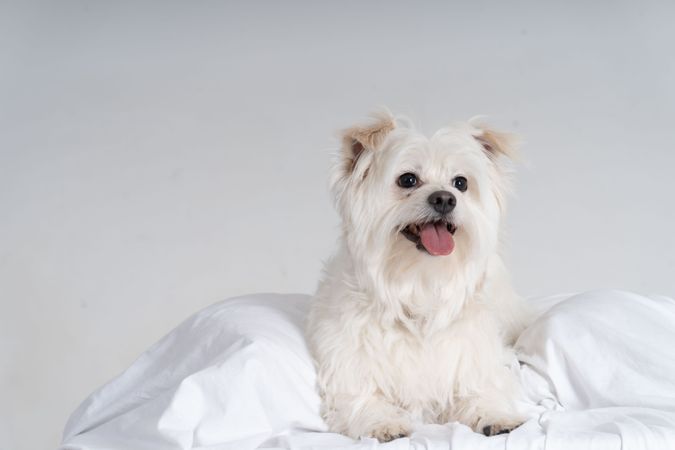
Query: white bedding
x,y
599,369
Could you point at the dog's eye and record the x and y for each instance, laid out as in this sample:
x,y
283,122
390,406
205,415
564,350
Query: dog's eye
x,y
460,184
407,180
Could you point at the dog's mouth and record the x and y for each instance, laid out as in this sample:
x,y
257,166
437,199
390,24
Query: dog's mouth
x,y
436,238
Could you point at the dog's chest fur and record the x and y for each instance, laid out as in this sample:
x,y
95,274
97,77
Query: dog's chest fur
x,y
427,366
420,353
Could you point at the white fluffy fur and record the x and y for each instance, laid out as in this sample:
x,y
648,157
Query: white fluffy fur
x,y
401,337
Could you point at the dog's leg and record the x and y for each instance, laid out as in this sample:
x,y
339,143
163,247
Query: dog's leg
x,y
493,411
367,415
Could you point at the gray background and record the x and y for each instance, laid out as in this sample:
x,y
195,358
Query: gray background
x,y
157,157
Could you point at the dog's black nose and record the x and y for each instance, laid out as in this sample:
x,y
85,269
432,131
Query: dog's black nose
x,y
442,201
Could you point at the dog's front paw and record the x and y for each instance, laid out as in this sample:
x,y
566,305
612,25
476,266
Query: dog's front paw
x,y
388,431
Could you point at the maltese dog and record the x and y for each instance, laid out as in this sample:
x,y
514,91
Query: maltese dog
x,y
414,318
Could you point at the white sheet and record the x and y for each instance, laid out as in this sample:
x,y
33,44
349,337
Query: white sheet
x,y
599,369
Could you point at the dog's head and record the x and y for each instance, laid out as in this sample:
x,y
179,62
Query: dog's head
x,y
405,198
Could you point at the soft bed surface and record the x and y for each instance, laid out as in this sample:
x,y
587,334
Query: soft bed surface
x,y
599,369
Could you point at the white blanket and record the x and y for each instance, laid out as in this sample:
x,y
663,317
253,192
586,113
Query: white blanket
x,y
599,370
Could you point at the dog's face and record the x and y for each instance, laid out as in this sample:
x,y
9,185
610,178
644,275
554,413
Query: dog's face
x,y
406,198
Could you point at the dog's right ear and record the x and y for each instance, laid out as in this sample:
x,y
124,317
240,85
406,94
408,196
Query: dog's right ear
x,y
362,138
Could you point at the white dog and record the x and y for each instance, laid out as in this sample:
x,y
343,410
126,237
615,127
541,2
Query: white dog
x,y
413,319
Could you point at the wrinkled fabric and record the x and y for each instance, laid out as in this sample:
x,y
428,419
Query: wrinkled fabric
x,y
598,370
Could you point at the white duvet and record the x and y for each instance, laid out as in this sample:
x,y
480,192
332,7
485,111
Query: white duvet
x,y
599,370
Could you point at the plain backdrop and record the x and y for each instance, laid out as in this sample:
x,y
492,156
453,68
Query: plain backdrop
x,y
156,157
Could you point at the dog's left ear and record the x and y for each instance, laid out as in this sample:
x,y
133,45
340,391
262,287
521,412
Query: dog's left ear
x,y
497,143
360,139
502,149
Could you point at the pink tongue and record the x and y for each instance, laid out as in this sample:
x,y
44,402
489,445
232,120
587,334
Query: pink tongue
x,y
437,239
